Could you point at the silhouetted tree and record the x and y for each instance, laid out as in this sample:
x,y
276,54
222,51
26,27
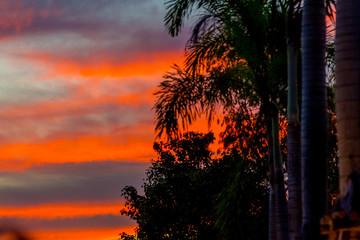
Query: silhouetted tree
x,y
211,43
183,186
242,209
231,35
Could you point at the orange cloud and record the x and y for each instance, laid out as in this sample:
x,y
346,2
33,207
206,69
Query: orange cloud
x,y
153,65
85,149
84,234
137,99
62,211
73,107
144,65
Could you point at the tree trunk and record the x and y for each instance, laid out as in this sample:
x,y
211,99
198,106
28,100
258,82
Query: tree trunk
x,y
347,60
293,146
313,119
272,207
278,217
281,213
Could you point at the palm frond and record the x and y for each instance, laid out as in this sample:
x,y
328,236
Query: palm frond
x,y
330,9
229,31
177,98
201,27
177,10
330,62
211,50
183,97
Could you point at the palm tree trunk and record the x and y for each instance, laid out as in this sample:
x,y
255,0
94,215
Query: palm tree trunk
x,y
347,60
313,119
281,214
272,235
293,128
278,217
293,147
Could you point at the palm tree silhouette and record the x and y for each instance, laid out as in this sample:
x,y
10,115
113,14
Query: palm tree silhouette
x,y
313,118
237,44
293,33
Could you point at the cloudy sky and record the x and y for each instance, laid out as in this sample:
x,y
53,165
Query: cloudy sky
x,y
76,84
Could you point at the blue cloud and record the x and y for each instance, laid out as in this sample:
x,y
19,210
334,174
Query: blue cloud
x,y
68,182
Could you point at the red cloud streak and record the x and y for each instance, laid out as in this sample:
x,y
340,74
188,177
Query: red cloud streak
x,y
20,156
83,234
62,211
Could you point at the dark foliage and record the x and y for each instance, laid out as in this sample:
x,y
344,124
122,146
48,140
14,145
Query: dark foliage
x,y
183,186
242,210
237,52
333,157
6,231
182,96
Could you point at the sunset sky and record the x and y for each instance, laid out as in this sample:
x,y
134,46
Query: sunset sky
x,y
77,125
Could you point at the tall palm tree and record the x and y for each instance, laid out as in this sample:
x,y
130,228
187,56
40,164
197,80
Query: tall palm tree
x,y
294,10
313,118
293,32
347,60
246,35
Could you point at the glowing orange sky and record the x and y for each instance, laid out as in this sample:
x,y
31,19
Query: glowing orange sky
x,y
76,112
62,211
74,151
154,64
83,234
76,117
